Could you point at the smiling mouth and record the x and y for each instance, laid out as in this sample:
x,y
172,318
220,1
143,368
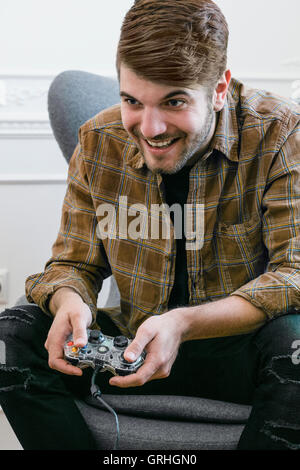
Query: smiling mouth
x,y
162,144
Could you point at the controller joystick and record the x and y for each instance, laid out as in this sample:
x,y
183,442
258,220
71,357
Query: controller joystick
x,y
95,336
120,342
102,351
122,358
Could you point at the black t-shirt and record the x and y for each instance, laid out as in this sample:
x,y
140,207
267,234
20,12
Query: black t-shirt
x,y
176,190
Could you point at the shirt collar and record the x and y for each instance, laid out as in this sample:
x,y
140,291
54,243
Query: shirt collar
x,y
226,136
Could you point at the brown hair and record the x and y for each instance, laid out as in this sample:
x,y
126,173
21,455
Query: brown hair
x,y
174,42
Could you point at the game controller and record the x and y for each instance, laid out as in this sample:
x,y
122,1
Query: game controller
x,y
102,351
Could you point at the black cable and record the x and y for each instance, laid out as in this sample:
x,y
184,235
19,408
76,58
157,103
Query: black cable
x,y
96,393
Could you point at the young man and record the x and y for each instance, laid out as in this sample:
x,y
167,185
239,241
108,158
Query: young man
x,y
222,289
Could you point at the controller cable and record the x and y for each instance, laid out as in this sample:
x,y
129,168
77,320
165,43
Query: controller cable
x,y
96,393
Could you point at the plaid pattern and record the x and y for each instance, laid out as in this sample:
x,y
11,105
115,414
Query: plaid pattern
x,y
249,184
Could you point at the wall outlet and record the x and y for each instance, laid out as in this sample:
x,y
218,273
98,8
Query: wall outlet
x,y
3,286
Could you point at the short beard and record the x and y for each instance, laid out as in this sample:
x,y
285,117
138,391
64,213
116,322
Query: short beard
x,y
193,147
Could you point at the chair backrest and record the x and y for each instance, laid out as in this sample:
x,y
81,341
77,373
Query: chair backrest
x,y
73,98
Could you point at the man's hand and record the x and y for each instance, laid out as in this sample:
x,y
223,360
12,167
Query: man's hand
x,y
72,315
160,336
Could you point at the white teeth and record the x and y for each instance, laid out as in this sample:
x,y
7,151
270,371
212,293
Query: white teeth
x,y
163,143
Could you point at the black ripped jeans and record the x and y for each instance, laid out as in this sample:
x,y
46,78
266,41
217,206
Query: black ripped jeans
x,y
261,369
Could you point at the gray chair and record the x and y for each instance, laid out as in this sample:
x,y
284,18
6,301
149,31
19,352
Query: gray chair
x,y
146,422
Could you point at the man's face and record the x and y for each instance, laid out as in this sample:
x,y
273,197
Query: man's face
x,y
171,126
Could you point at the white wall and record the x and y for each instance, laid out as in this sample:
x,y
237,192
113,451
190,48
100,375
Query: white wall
x,y
264,35
61,34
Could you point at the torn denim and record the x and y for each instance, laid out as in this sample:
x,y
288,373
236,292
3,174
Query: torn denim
x,y
276,417
33,397
284,433
13,376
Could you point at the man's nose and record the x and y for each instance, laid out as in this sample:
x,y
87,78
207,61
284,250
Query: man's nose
x,y
152,123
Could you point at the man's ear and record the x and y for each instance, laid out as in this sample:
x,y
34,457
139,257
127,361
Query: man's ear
x,y
220,91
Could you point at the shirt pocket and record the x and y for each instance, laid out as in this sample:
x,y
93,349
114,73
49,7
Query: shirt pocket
x,y
240,252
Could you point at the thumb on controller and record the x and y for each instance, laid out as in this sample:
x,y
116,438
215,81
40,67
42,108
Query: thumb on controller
x,y
135,349
79,333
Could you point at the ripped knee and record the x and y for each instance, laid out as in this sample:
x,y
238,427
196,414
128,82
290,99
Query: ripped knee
x,y
19,314
19,339
284,433
13,378
283,369
284,372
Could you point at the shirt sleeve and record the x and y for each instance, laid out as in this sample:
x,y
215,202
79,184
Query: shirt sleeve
x,y
277,290
78,259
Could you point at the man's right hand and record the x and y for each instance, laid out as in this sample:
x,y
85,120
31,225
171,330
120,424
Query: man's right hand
x,y
71,315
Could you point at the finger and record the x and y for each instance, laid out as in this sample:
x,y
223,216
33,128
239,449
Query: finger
x,y
57,361
61,365
79,327
148,371
56,358
138,344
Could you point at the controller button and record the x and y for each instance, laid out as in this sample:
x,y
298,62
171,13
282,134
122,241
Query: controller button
x,y
102,349
74,349
70,343
120,342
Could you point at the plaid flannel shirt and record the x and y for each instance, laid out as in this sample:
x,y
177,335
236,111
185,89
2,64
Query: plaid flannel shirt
x,y
248,183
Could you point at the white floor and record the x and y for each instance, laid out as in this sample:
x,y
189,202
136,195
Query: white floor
x,y
8,440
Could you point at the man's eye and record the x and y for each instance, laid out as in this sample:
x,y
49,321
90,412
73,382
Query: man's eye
x,y
131,101
175,103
